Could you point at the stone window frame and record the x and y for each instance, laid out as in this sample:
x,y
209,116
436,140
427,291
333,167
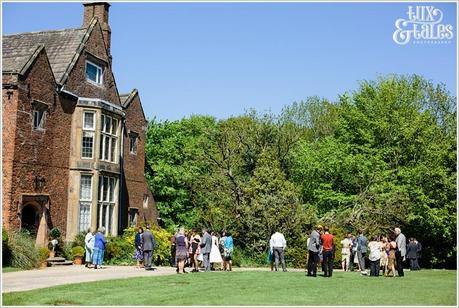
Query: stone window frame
x,y
100,73
37,108
91,131
133,136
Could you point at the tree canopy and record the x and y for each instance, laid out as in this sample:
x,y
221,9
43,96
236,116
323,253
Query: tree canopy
x,y
379,157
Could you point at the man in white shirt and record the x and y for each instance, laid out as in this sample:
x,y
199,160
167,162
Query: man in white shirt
x,y
277,246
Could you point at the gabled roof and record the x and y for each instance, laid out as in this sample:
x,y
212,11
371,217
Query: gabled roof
x,y
63,48
127,98
60,45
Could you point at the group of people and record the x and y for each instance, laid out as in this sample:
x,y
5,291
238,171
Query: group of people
x,y
384,253
95,248
204,251
192,250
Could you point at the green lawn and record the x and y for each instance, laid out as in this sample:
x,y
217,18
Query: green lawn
x,y
427,287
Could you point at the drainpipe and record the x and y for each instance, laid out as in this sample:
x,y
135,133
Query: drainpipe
x,y
121,184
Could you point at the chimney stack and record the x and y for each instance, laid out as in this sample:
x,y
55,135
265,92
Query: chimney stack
x,y
99,10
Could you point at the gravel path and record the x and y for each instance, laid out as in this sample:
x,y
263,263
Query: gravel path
x,y
55,276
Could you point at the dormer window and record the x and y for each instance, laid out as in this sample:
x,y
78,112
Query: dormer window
x,y
94,72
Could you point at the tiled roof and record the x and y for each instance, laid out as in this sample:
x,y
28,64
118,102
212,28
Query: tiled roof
x,y
60,45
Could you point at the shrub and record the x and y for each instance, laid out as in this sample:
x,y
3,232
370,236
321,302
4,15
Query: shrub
x,y
120,250
6,252
296,256
79,240
43,253
65,251
24,255
55,232
78,251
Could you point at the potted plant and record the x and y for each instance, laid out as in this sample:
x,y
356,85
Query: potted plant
x,y
55,233
43,253
78,253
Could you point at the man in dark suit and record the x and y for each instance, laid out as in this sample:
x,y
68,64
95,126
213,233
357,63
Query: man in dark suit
x,y
206,246
148,247
400,253
412,254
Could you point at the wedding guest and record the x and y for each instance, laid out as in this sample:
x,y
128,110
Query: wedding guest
x,y
328,252
99,248
375,255
277,246
313,251
362,246
412,254
346,245
206,246
384,255
181,252
195,250
221,247
391,246
148,246
228,248
89,247
400,253
419,250
138,254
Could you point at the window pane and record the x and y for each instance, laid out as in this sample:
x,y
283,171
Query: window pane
x,y
114,126
91,72
113,154
112,189
100,187
87,144
85,216
108,124
38,117
99,208
85,187
106,147
110,219
104,216
101,147
105,189
88,120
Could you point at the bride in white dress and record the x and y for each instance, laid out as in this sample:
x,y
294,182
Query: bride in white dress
x,y
215,256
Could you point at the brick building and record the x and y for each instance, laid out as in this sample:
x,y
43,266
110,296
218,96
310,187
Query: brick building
x,y
73,147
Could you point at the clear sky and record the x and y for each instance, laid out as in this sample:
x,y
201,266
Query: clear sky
x,y
223,58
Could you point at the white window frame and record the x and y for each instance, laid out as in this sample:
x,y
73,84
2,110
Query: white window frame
x,y
145,201
99,76
107,205
107,138
91,131
93,128
85,202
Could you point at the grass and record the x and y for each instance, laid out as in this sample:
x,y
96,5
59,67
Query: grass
x,y
427,287
9,269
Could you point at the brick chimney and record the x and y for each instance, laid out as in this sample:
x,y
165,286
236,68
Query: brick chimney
x,y
99,10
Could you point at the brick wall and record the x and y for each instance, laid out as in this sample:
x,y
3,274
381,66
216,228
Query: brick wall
x,y
134,164
38,153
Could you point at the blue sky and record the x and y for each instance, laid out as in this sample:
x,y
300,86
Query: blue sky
x,y
223,58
